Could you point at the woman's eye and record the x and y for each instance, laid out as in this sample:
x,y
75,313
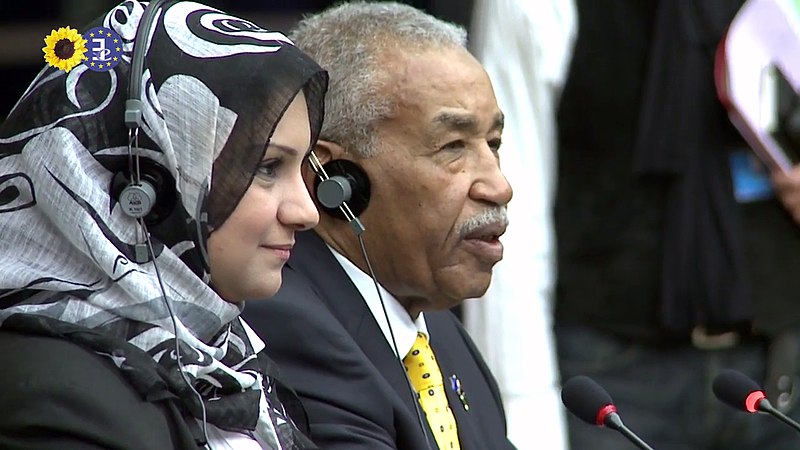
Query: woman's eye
x,y
495,144
269,168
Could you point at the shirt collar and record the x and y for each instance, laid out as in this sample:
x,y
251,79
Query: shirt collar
x,y
405,329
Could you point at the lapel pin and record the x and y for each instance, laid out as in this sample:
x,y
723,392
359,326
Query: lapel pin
x,y
455,384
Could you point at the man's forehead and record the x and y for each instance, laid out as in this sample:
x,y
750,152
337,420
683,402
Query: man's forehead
x,y
437,91
428,66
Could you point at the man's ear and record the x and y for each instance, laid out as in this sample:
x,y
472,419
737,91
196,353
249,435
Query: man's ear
x,y
324,151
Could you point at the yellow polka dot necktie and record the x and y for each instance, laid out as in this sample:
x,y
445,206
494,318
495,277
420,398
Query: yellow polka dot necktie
x,y
423,371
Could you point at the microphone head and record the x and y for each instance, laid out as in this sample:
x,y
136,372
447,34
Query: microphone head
x,y
737,390
587,400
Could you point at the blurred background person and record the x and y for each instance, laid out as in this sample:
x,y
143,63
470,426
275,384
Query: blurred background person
x,y
667,271
787,186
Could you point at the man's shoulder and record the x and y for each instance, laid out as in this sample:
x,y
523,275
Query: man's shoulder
x,y
315,294
445,325
297,298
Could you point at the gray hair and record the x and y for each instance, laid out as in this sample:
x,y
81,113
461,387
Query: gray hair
x,y
347,40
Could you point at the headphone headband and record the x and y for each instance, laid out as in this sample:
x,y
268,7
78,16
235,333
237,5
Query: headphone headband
x,y
144,191
133,105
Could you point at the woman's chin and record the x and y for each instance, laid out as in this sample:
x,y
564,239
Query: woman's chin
x,y
262,291
268,288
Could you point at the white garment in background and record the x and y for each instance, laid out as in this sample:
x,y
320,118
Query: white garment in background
x,y
525,47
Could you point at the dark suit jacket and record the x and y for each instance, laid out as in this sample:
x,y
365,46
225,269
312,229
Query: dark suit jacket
x,y
57,395
331,350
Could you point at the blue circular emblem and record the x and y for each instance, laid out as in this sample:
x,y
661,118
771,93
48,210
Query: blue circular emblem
x,y
103,49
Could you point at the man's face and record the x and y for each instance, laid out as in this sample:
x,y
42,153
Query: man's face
x,y
438,195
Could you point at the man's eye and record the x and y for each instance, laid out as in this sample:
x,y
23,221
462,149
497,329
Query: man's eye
x,y
455,145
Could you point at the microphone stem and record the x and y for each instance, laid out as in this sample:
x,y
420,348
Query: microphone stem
x,y
614,422
767,407
634,438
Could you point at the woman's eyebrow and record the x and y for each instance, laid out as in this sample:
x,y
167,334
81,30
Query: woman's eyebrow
x,y
284,148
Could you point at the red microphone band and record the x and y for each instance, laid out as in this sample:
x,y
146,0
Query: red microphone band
x,y
604,412
751,402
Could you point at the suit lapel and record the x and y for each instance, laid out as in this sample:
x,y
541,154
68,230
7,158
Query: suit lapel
x,y
315,261
468,428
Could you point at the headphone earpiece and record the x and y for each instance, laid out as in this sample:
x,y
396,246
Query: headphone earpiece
x,y
148,191
153,197
346,182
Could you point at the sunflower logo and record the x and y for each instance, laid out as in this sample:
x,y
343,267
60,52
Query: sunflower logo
x,y
64,48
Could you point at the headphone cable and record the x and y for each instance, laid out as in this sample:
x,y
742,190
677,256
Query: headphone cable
x,y
175,328
414,394
358,229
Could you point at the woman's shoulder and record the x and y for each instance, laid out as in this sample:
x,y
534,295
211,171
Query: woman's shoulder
x,y
50,386
38,364
49,359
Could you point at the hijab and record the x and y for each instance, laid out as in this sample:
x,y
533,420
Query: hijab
x,y
214,87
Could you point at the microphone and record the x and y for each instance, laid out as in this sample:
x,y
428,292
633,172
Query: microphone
x,y
738,391
591,403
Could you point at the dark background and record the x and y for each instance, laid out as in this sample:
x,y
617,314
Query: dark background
x,y
24,25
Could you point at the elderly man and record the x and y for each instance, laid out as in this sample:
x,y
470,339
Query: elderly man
x,y
366,337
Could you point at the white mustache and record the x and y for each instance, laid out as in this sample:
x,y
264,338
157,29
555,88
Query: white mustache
x,y
496,215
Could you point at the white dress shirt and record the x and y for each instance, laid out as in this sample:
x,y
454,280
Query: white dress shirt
x,y
219,439
404,328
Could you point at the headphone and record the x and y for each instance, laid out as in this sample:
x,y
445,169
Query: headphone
x,y
145,192
342,189
147,189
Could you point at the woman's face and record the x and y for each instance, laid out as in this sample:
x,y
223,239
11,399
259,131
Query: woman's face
x,y
247,252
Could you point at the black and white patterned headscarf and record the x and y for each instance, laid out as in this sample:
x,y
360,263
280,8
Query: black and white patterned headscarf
x,y
215,87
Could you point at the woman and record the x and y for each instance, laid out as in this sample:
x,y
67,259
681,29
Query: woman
x,y
90,358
